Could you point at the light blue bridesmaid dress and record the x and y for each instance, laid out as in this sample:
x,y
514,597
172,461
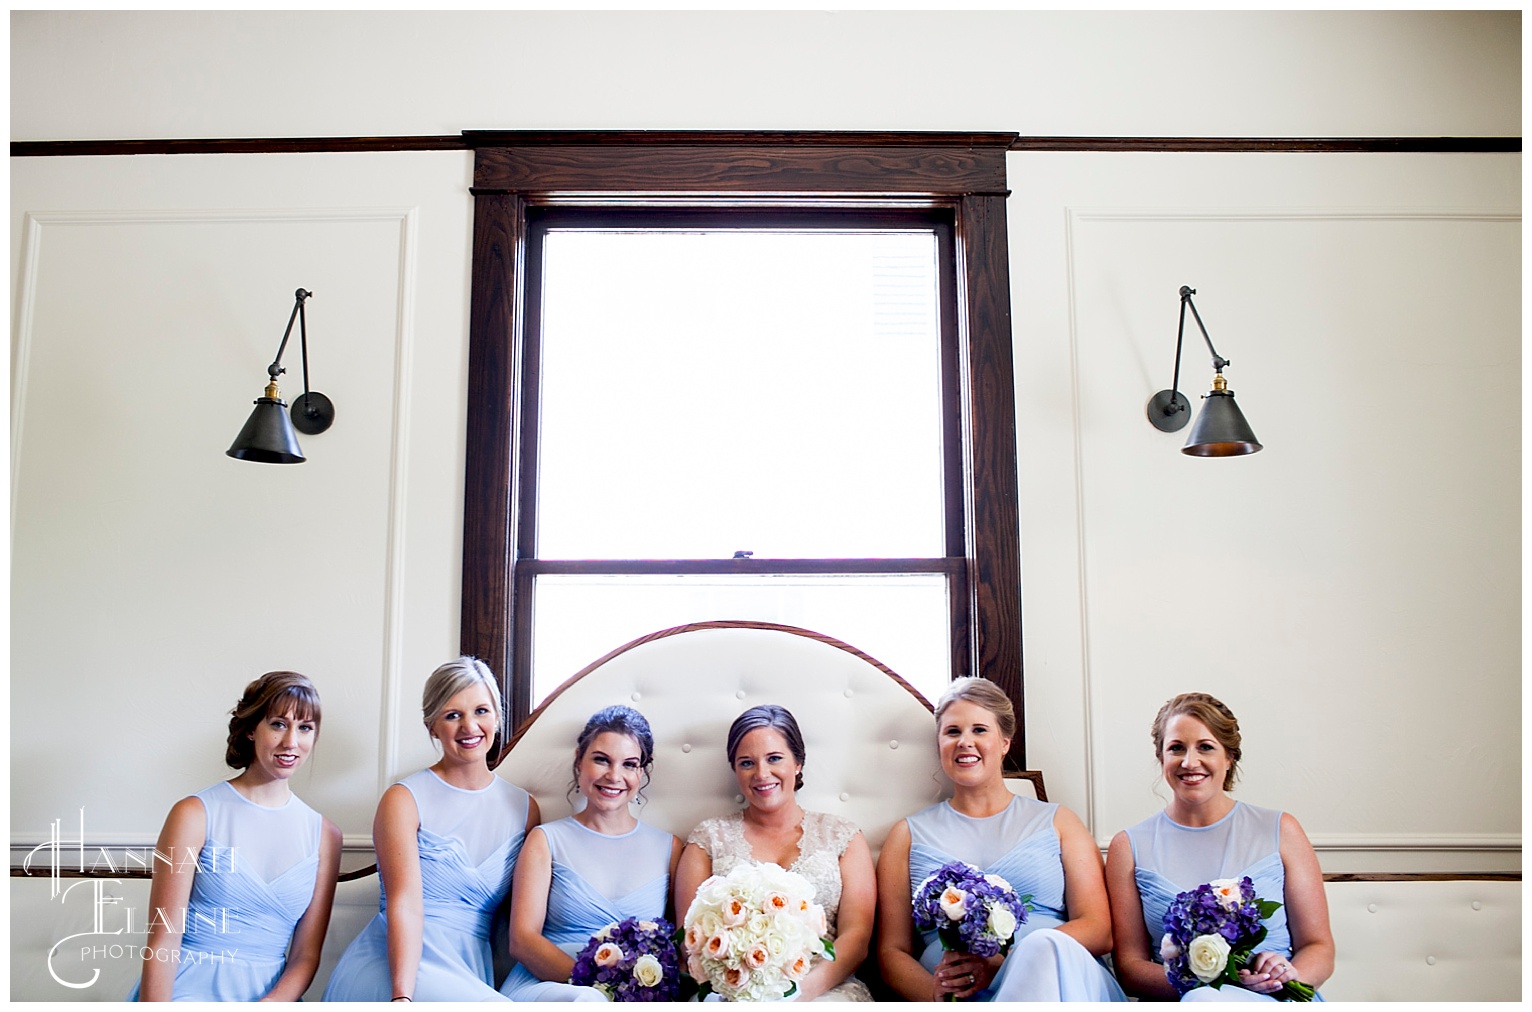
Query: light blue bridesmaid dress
x,y
468,843
597,880
254,881
1169,858
1020,845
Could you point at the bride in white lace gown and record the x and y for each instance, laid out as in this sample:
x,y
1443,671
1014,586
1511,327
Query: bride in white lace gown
x,y
766,751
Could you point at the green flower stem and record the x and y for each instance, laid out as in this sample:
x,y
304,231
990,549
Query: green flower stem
x,y
1292,990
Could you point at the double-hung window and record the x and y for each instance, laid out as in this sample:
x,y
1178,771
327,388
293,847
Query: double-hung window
x,y
759,377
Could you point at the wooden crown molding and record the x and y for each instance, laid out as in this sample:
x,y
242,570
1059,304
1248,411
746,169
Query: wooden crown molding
x,y
472,139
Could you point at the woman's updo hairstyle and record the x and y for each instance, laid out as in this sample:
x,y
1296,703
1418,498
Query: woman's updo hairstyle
x,y
279,692
622,720
1213,715
453,677
778,719
981,692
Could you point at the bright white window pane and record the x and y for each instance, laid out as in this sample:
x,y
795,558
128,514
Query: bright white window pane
x,y
707,392
899,619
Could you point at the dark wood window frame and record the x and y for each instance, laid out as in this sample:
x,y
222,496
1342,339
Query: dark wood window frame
x,y
958,174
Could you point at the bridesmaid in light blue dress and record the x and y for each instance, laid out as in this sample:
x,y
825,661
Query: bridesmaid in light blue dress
x,y
447,838
1202,835
1038,848
596,867
246,871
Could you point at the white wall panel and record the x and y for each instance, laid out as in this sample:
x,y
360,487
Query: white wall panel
x,y
154,575
1353,590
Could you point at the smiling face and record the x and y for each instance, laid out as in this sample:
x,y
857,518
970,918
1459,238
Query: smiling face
x,y
970,743
1194,762
466,726
610,772
281,742
765,768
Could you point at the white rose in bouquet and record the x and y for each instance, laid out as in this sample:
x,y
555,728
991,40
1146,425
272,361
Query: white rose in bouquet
x,y
648,971
1002,922
1207,956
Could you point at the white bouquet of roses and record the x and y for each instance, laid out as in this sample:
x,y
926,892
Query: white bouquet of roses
x,y
751,935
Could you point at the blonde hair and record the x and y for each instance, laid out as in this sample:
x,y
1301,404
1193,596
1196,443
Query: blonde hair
x,y
981,692
450,679
1213,715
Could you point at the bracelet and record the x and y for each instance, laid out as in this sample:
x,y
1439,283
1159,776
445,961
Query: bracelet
x,y
403,997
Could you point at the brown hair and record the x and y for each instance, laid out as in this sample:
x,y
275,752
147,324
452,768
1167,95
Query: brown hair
x,y
980,692
779,719
619,720
274,692
1213,715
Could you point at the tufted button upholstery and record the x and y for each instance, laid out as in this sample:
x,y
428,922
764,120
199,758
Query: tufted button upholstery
x,y
1425,941
693,682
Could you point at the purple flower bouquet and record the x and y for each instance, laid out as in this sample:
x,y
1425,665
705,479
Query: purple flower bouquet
x,y
1212,931
969,910
631,960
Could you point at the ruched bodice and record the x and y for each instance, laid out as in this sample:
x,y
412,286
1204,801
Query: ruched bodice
x,y
468,842
1020,844
254,881
586,895
596,880
1169,858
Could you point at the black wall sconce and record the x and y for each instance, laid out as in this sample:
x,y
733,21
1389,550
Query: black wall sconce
x,y
1221,429
268,436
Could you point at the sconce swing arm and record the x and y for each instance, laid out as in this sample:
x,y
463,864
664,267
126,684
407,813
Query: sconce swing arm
x,y
312,418
1169,410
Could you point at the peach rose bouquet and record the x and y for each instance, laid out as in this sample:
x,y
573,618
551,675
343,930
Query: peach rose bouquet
x,y
753,934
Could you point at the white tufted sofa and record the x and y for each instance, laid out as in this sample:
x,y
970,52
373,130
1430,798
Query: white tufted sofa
x,y
1411,939
870,758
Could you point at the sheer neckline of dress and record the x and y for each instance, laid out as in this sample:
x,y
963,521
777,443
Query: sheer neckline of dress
x,y
256,804
461,790
1202,829
637,825
981,818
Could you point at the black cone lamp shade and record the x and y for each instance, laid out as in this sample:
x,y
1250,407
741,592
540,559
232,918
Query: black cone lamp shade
x,y
1221,429
268,436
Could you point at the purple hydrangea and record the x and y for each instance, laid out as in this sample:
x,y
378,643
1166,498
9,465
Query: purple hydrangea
x,y
1226,909
632,960
969,910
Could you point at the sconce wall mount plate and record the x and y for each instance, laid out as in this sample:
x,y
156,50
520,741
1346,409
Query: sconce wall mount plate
x,y
1169,411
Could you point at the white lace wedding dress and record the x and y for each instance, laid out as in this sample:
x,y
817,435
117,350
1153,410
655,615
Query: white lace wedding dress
x,y
825,838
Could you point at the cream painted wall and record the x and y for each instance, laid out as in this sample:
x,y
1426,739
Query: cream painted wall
x,y
1307,74
1353,590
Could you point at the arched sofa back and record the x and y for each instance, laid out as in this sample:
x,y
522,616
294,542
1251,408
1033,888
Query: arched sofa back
x,y
869,737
